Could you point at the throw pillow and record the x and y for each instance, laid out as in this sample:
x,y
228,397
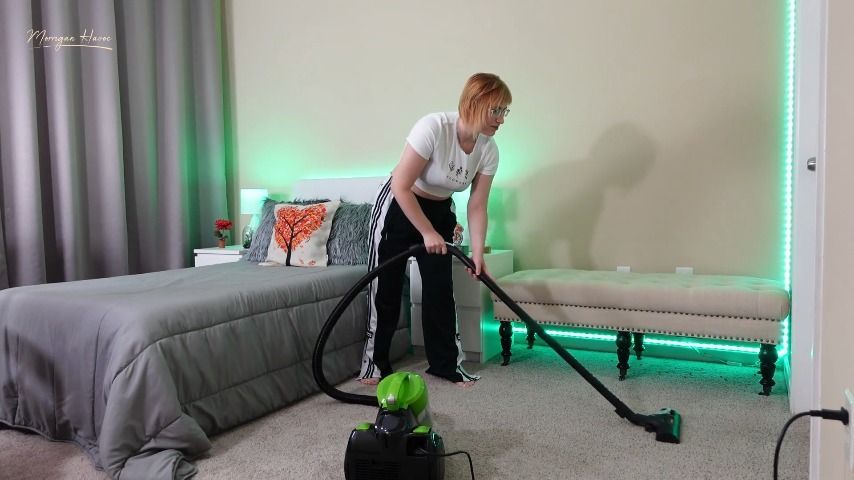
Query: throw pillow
x,y
261,240
300,234
349,239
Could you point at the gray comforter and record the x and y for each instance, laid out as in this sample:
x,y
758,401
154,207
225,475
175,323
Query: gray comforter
x,y
140,370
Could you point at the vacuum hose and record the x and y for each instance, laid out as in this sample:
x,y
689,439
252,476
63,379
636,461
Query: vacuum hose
x,y
666,423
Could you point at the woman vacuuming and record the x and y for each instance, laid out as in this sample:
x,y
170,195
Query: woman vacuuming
x,y
444,153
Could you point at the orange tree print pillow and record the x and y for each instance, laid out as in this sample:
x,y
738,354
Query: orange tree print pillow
x,y
300,234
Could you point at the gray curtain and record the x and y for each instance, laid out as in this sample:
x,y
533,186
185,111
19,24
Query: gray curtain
x,y
4,278
112,150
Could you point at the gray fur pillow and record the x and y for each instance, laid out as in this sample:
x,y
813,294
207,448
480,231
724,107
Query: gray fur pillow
x,y
348,241
261,240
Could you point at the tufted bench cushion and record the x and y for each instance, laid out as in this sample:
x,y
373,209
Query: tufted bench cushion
x,y
741,308
706,306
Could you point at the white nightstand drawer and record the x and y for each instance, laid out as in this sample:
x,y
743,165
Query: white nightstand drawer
x,y
469,323
466,288
213,256
478,330
468,292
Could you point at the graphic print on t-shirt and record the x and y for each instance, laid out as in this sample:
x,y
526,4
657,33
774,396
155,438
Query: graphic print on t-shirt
x,y
458,173
449,169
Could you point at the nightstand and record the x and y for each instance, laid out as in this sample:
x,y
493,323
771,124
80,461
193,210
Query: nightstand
x,y
214,255
478,329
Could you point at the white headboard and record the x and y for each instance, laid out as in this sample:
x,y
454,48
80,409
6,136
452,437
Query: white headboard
x,y
355,189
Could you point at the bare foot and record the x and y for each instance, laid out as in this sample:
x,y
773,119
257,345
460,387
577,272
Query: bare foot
x,y
466,384
369,381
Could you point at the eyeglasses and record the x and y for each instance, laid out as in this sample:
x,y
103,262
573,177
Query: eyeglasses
x,y
496,112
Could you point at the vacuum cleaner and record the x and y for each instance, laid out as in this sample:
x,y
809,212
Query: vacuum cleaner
x,y
399,444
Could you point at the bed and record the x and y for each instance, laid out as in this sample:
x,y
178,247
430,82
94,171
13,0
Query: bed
x,y
141,370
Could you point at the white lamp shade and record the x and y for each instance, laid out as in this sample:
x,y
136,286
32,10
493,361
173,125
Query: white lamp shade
x,y
252,200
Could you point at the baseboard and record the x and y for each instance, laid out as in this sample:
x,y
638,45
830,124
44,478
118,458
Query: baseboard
x,y
787,375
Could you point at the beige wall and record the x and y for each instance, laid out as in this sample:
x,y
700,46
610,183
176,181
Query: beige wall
x,y
642,133
836,301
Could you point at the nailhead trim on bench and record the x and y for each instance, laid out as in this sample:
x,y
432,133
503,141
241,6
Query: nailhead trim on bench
x,y
641,310
645,330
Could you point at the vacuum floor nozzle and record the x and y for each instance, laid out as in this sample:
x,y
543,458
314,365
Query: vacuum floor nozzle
x,y
667,424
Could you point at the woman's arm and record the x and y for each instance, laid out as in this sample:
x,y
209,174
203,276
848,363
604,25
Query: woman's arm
x,y
403,177
477,218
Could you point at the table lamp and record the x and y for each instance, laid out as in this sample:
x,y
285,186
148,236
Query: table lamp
x,y
251,203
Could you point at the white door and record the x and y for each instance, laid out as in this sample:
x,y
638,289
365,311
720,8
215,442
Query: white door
x,y
808,154
809,78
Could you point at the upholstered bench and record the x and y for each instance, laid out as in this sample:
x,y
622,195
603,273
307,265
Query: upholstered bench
x,y
723,307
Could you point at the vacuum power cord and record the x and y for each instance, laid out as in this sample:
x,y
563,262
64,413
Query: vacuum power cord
x,y
459,452
841,415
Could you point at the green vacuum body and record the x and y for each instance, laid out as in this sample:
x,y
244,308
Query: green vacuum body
x,y
401,443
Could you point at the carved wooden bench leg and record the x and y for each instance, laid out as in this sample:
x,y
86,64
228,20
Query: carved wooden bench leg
x,y
624,342
767,366
506,332
638,344
530,337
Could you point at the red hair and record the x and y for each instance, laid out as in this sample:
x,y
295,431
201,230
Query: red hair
x,y
481,92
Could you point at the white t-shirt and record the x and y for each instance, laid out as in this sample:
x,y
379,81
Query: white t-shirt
x,y
448,168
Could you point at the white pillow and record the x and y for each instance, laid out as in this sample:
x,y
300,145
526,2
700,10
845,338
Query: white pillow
x,y
300,233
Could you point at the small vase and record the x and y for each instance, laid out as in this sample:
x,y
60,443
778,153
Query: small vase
x,y
221,242
248,231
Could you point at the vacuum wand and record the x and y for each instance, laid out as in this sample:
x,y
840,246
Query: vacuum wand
x,y
666,423
622,409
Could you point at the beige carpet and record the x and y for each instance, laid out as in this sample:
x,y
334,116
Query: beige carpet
x,y
535,419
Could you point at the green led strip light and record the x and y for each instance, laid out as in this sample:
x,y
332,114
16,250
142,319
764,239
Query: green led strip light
x,y
788,126
788,159
692,344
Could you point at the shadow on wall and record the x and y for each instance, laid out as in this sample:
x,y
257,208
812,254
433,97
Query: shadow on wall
x,y
550,219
